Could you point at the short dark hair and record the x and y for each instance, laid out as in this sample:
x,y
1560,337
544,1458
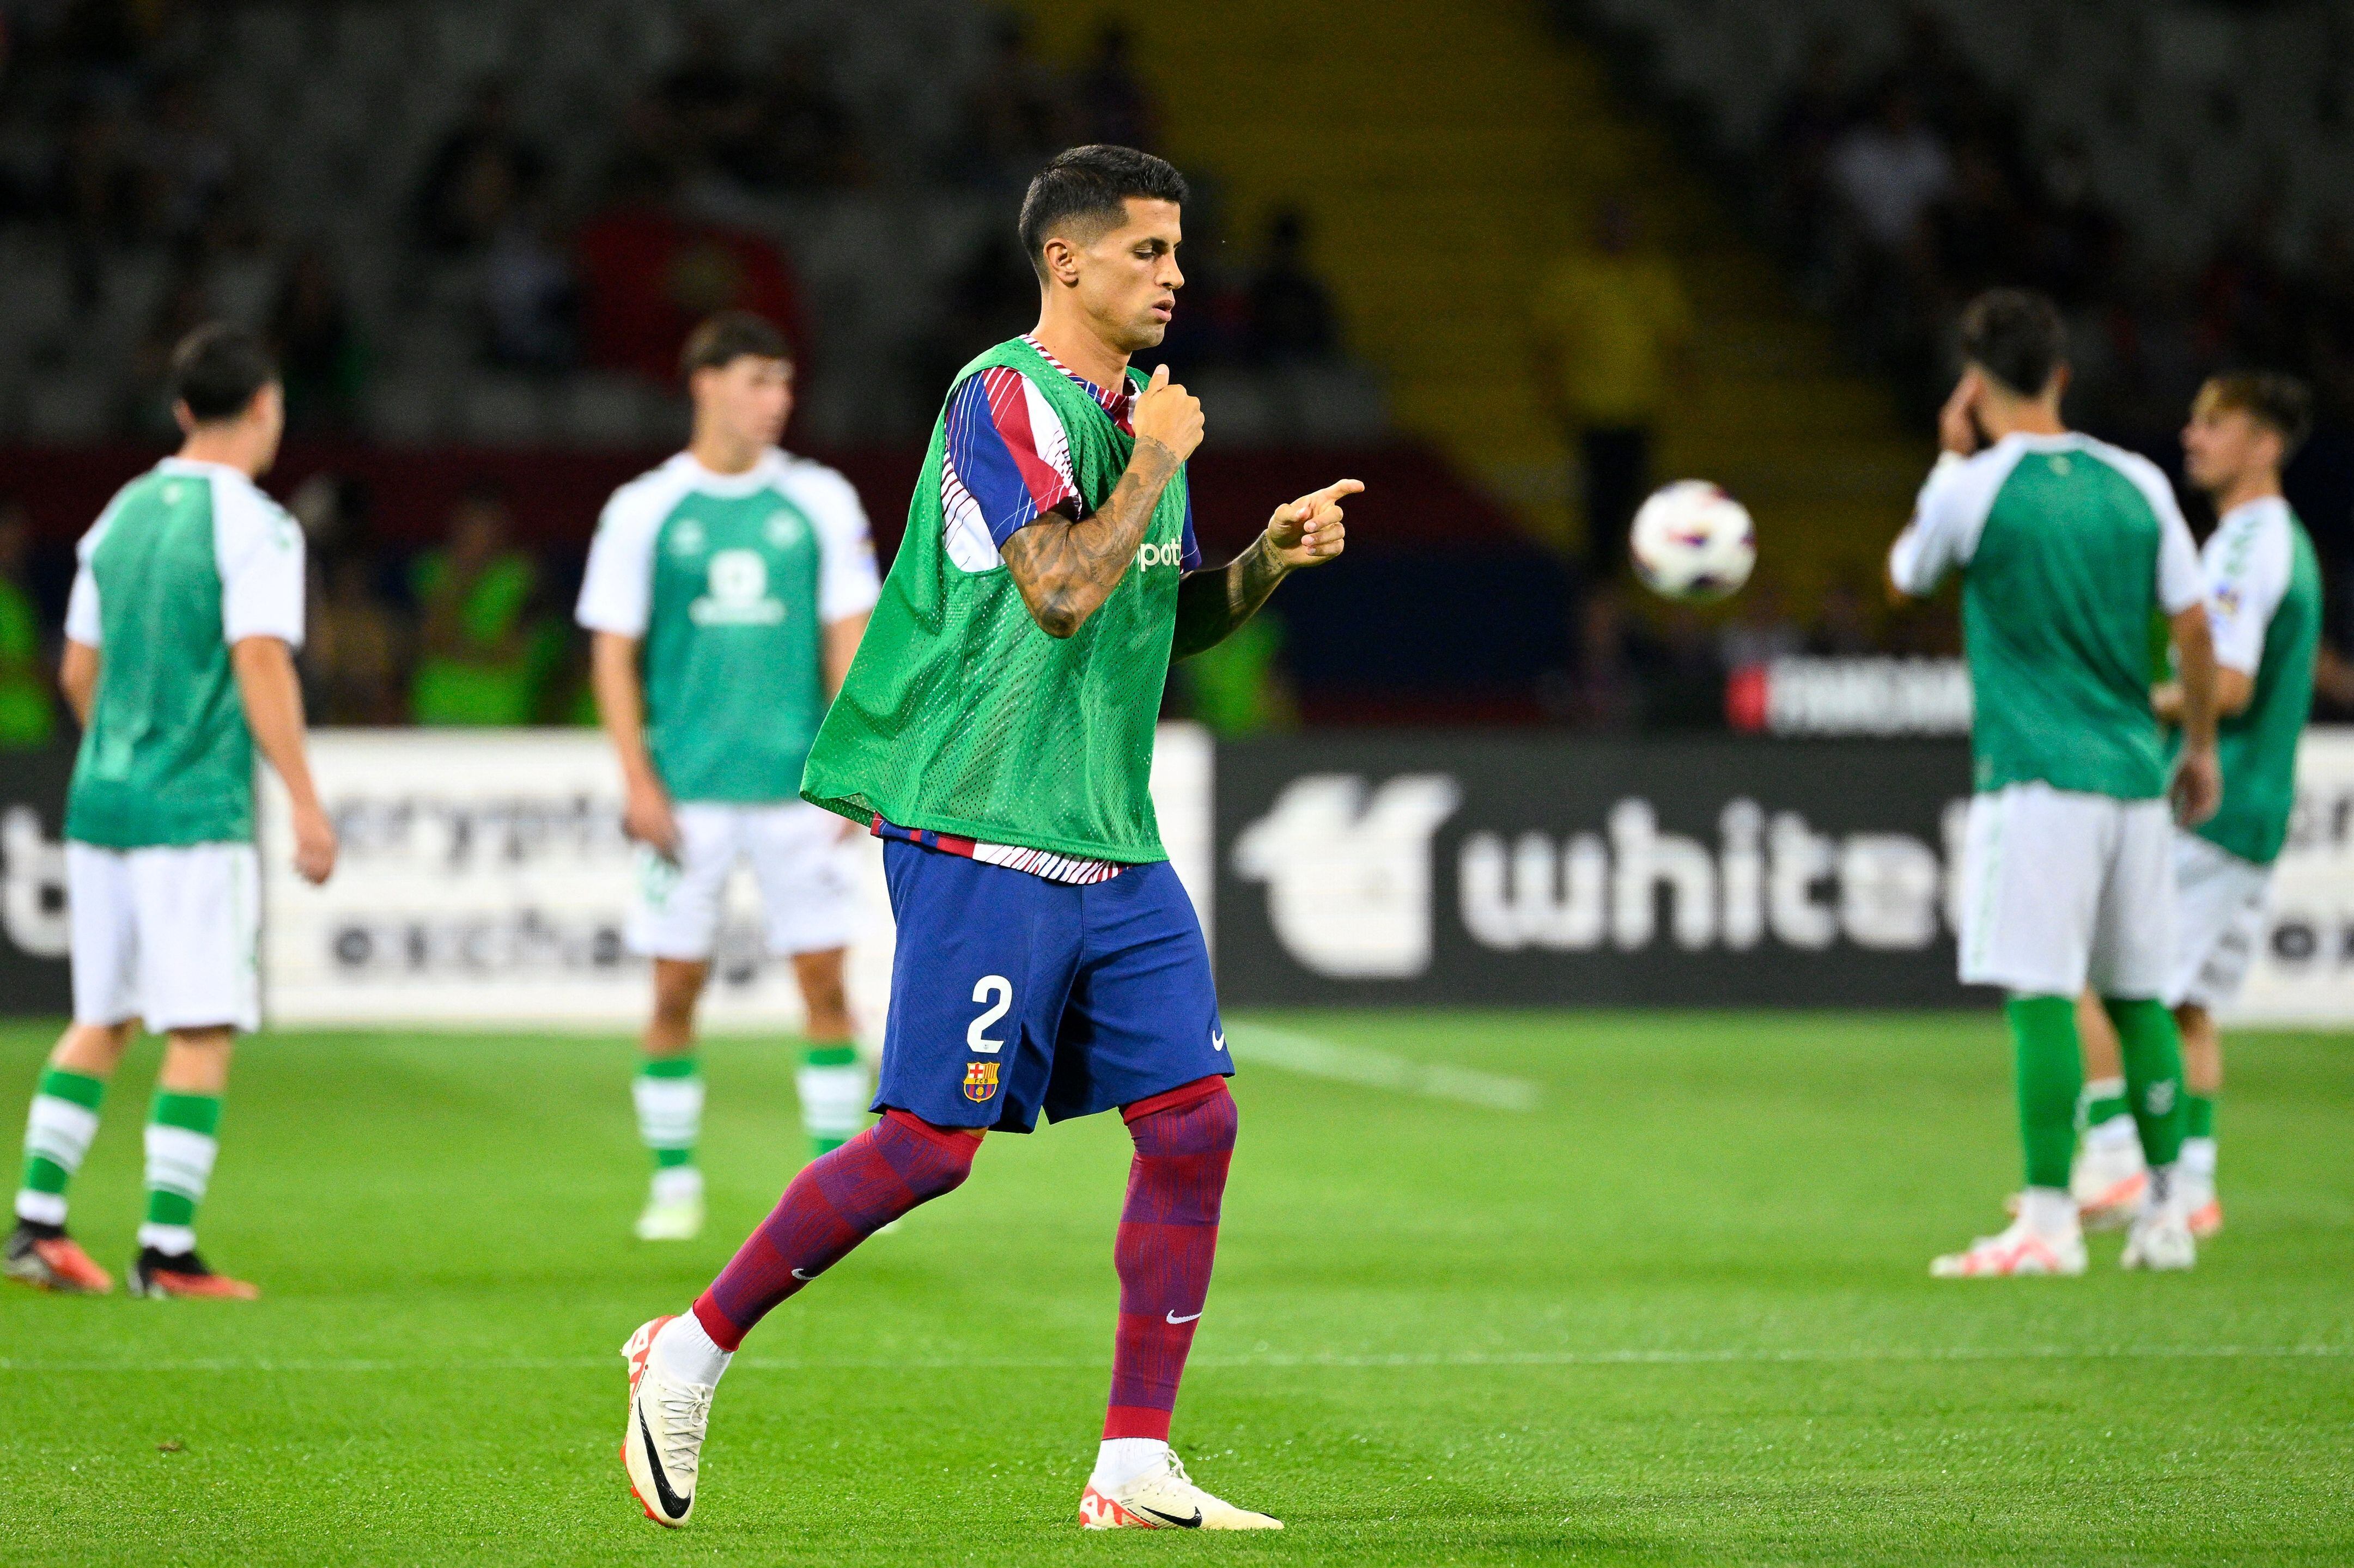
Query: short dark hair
x,y
2015,335
2282,403
721,340
1092,184
217,370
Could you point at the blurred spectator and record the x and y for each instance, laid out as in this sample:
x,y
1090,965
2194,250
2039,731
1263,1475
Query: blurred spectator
x,y
1610,332
1758,628
1238,688
1115,105
187,162
807,139
1842,625
475,596
356,647
1014,116
1291,316
1888,169
319,349
28,708
1804,131
531,296
648,275
477,175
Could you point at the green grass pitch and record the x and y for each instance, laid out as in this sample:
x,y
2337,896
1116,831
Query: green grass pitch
x,y
1678,1312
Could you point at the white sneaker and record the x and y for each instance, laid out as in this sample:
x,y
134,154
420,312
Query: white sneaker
x,y
2021,1249
2108,1182
1165,1499
663,1450
2160,1239
673,1209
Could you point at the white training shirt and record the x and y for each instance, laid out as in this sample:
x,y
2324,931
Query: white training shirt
x,y
2249,559
616,591
1952,511
256,546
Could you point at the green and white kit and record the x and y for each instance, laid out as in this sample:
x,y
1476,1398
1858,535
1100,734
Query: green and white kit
x,y
2066,545
728,581
2263,604
188,559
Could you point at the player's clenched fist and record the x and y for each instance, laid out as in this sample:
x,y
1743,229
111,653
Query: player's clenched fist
x,y
1309,530
1167,413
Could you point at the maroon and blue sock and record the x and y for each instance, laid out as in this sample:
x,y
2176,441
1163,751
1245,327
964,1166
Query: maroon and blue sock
x,y
1168,1240
838,1201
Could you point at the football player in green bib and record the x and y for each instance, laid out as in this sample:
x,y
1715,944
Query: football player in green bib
x,y
996,732
180,638
2067,546
727,591
2263,603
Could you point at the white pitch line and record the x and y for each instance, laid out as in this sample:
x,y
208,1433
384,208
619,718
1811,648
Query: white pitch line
x,y
1311,1058
1857,1355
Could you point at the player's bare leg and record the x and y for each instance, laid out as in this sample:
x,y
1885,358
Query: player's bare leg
x,y
57,1133
834,1205
182,1140
668,1093
2202,1081
831,1083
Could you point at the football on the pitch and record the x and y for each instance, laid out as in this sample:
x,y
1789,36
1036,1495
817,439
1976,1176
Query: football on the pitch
x,y
1693,542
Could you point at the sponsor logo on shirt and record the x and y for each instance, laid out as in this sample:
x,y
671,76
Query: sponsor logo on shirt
x,y
737,592
1169,555
979,1080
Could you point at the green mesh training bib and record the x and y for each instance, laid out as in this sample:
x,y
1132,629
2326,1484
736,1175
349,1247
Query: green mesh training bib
x,y
962,716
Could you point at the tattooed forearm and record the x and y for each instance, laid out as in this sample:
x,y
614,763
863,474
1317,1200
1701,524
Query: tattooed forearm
x,y
1210,605
1067,571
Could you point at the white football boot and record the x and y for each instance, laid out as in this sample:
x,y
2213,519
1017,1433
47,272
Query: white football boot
x,y
673,1209
1164,1499
2109,1182
2022,1249
663,1450
2159,1238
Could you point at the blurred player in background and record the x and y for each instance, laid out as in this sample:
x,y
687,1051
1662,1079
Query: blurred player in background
x,y
725,592
180,639
2263,603
2066,545
997,732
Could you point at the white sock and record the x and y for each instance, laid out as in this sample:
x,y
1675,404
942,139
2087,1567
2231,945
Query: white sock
x,y
2048,1210
1121,1460
59,1131
2198,1156
172,1241
677,1184
2118,1132
833,1100
687,1354
670,1110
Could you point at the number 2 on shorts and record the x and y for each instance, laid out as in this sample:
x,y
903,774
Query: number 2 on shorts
x,y
988,986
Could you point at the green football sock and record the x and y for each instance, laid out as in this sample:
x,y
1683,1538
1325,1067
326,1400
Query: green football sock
x,y
668,1091
2105,1101
2198,1120
58,1131
2152,1048
182,1139
833,1089
2049,1073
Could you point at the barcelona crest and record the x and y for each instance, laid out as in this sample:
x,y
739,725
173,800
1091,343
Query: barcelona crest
x,y
979,1080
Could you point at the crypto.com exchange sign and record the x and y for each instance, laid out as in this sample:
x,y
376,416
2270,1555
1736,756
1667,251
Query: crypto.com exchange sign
x,y
1701,871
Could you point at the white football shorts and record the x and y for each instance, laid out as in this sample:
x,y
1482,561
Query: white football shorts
x,y
170,934
2062,888
799,861
2218,918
